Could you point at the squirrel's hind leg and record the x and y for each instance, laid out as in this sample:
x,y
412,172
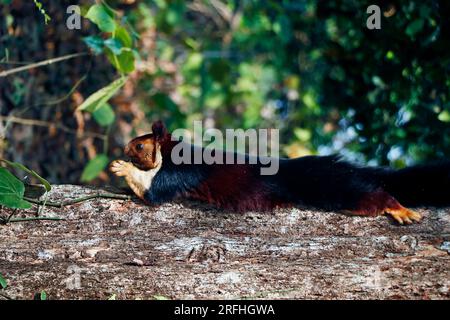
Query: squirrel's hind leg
x,y
380,202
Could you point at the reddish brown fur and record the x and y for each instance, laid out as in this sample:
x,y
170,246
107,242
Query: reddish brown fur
x,y
236,188
377,203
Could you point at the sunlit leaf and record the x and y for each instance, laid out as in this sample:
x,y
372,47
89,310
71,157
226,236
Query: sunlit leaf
x,y
99,15
444,116
123,35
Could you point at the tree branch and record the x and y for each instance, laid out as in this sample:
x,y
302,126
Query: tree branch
x,y
41,123
41,63
81,199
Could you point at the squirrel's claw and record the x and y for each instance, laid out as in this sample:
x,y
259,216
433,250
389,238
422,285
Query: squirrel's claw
x,y
405,216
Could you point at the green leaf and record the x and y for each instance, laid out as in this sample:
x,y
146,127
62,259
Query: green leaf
x,y
99,15
124,37
104,115
14,202
123,62
414,27
444,116
94,167
3,283
115,45
113,297
11,191
159,297
100,97
20,166
43,295
95,43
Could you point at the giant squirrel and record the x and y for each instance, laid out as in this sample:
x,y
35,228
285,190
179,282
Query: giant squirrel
x,y
325,182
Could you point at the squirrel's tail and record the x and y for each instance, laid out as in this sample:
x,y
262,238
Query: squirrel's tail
x,y
420,185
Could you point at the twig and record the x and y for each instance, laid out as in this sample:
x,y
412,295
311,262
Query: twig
x,y
36,219
65,97
47,124
10,216
81,199
41,63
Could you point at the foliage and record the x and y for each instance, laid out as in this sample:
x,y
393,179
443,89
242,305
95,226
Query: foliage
x,y
98,99
42,11
12,191
20,166
118,48
94,167
3,283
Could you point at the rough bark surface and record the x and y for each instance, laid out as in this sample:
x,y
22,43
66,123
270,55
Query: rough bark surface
x,y
188,250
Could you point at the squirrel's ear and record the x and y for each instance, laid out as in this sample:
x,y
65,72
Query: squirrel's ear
x,y
159,130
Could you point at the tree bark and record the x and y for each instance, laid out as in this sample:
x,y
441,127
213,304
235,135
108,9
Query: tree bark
x,y
187,250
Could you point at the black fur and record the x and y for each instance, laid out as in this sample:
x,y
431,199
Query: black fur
x,y
325,182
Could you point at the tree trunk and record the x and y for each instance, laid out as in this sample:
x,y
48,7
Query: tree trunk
x,y
186,250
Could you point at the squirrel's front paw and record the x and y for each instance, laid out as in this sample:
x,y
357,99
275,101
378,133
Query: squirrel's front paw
x,y
120,168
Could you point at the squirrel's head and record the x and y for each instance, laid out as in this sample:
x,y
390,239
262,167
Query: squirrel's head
x,y
145,151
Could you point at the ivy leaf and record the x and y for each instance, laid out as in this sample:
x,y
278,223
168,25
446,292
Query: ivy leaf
x,y
95,43
99,15
100,97
3,283
104,115
11,191
20,166
94,167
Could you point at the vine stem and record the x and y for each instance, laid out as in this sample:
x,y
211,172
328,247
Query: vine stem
x,y
48,124
35,219
81,199
40,64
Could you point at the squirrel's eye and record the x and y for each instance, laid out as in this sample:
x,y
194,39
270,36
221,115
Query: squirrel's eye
x,y
139,147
